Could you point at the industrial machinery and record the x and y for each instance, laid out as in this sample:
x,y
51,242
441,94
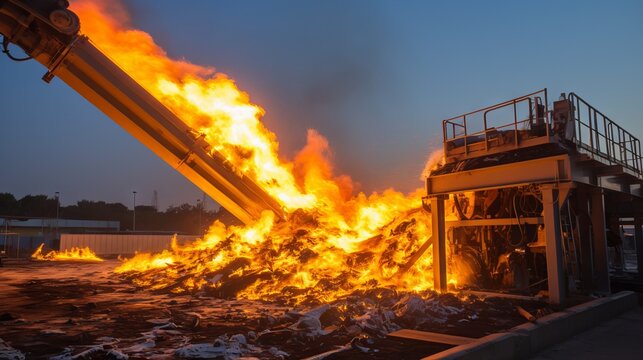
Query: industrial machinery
x,y
48,32
539,195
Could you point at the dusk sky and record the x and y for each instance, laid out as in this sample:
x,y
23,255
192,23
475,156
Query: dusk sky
x,y
375,77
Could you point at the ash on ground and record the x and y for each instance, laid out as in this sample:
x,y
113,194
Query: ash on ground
x,y
83,311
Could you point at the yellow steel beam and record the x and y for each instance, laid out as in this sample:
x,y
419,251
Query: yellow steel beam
x,y
84,68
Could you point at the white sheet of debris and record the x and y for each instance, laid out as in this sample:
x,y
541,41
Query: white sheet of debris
x,y
9,353
229,348
207,351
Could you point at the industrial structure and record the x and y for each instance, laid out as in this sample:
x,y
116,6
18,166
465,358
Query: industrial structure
x,y
42,226
48,32
20,237
539,194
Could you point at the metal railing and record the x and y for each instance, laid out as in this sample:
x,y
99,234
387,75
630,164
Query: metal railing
x,y
457,129
601,136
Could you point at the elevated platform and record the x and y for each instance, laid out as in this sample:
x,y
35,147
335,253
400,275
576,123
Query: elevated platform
x,y
573,142
539,184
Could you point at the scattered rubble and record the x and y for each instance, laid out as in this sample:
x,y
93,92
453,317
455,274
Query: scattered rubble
x,y
125,323
95,352
9,353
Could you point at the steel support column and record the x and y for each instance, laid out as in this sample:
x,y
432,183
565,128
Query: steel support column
x,y
599,242
585,237
439,244
638,237
554,250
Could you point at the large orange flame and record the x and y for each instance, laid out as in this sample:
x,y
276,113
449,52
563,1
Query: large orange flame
x,y
334,241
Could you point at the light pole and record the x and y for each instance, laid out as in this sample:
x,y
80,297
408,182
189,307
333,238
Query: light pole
x,y
134,216
57,212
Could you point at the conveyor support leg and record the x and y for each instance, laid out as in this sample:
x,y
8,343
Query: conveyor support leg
x,y
554,252
638,237
599,242
439,244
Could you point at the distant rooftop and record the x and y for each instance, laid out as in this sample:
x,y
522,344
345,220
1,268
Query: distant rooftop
x,y
60,223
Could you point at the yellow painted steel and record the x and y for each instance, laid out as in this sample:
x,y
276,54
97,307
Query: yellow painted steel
x,y
76,61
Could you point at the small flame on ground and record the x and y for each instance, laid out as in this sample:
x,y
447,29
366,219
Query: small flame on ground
x,y
75,254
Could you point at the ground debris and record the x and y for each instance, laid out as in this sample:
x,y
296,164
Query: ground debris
x,y
278,353
526,314
93,353
224,347
409,308
377,321
274,337
206,351
146,324
9,353
363,344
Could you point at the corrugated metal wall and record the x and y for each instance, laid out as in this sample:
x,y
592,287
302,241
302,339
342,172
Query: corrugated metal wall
x,y
121,244
20,246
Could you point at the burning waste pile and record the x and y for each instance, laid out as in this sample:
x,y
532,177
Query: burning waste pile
x,y
292,261
333,242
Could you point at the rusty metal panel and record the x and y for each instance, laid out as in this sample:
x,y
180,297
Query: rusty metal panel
x,y
550,169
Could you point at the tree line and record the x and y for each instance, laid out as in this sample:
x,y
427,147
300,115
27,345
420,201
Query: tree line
x,y
184,218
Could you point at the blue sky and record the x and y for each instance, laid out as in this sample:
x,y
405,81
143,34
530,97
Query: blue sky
x,y
375,77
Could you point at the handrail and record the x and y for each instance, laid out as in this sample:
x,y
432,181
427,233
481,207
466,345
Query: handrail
x,y
456,128
514,102
594,131
481,132
611,141
497,105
